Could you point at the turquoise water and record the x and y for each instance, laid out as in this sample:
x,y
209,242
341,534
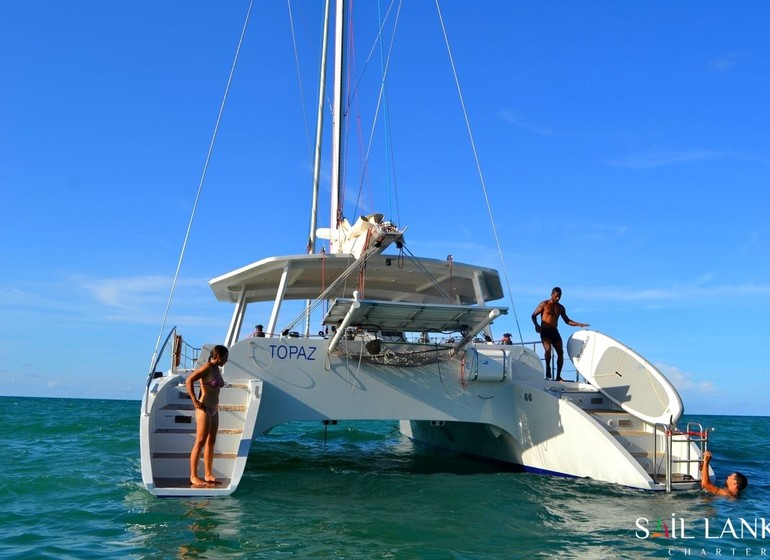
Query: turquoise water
x,y
71,488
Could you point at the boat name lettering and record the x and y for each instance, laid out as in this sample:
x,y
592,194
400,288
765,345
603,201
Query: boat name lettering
x,y
292,352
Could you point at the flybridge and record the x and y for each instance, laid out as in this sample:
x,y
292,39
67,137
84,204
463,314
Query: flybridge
x,y
305,276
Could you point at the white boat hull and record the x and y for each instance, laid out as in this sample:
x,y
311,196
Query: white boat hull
x,y
552,437
490,402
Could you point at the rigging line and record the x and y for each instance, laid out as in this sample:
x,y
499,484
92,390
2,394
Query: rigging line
x,y
203,177
478,166
299,75
441,291
380,97
391,161
348,62
340,279
386,120
352,95
373,49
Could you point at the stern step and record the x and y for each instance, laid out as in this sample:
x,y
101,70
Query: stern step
x,y
184,483
186,456
168,433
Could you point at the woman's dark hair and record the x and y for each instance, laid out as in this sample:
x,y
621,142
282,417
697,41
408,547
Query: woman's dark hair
x,y
219,350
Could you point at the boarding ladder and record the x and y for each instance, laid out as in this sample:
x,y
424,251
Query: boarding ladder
x,y
671,436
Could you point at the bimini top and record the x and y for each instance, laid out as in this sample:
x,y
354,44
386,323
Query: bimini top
x,y
384,277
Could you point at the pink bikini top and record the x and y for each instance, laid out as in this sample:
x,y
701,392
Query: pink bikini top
x,y
216,379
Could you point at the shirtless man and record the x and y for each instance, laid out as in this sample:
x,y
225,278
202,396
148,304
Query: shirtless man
x,y
733,484
551,310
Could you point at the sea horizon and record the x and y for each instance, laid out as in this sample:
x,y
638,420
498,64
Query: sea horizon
x,y
139,400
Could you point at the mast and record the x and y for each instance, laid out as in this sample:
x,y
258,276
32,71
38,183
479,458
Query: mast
x,y
337,120
319,133
317,153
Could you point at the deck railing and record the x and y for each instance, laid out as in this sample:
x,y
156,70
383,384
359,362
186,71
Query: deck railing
x,y
184,355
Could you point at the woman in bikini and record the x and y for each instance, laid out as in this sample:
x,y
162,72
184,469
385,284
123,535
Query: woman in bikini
x,y
206,415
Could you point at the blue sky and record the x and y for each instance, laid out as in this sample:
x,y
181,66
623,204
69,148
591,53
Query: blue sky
x,y
624,149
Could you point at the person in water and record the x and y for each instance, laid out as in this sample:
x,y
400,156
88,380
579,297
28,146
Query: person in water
x,y
734,483
550,311
206,415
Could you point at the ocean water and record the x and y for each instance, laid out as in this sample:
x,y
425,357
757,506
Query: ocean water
x,y
71,488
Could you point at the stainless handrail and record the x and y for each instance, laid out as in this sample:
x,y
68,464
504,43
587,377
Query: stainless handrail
x,y
151,374
186,353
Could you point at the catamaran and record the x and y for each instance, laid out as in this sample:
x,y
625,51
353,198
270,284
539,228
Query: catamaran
x,y
409,339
